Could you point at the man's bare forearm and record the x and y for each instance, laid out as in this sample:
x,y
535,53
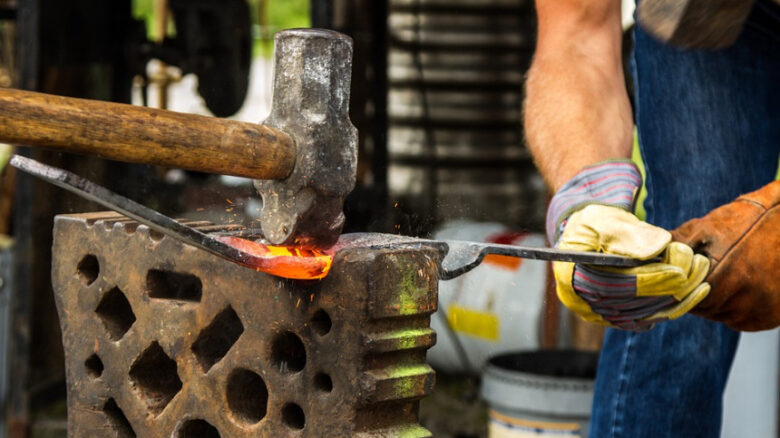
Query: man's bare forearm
x,y
577,111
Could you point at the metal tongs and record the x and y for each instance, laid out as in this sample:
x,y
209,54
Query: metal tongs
x,y
459,256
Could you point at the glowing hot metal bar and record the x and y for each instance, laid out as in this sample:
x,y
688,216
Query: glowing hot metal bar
x,y
273,260
282,261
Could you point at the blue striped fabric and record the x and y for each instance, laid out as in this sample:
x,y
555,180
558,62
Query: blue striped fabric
x,y
611,284
613,297
609,183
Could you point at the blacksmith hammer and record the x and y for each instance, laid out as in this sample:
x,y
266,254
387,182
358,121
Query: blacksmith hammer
x,y
695,24
303,158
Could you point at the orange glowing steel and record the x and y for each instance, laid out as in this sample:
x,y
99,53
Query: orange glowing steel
x,y
286,262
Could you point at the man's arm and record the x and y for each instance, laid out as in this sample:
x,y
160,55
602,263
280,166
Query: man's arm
x,y
577,112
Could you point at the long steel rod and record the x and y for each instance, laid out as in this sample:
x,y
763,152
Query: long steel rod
x,y
151,218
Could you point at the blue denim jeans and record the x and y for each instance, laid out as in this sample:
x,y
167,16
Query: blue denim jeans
x,y
709,130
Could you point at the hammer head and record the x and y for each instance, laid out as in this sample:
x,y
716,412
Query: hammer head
x,y
310,103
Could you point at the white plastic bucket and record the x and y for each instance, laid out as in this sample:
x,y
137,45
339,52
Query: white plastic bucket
x,y
539,393
494,309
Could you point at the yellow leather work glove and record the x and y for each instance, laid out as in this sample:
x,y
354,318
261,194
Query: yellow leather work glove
x,y
591,213
628,298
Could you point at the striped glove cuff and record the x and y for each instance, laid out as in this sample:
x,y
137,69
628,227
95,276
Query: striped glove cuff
x,y
613,183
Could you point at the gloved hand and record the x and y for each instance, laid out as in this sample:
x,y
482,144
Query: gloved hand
x,y
626,298
742,240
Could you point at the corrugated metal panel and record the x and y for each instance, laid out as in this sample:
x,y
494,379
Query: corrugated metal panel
x,y
455,139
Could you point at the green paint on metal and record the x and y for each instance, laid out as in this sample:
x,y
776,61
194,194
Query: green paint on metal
x,y
406,338
411,370
412,431
408,379
409,293
405,388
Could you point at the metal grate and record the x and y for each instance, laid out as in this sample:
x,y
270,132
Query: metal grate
x,y
455,137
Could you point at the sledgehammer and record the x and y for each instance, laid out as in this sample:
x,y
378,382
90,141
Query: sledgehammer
x,y
303,158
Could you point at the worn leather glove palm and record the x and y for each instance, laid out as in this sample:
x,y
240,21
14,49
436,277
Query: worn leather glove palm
x,y
590,213
742,240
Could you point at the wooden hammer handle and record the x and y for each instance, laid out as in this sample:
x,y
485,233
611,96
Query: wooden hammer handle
x,y
145,135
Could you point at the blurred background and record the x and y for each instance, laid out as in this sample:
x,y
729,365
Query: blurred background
x,y
437,91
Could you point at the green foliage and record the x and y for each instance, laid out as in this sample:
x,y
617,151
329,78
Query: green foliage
x,y
144,10
279,14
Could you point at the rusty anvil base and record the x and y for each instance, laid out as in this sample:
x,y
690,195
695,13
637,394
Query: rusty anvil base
x,y
164,340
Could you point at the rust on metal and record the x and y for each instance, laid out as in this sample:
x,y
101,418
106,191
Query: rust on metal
x,y
311,104
164,340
